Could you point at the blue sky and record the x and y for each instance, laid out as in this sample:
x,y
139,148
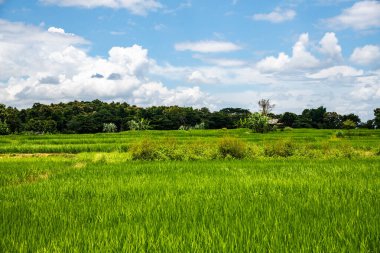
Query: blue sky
x,y
300,54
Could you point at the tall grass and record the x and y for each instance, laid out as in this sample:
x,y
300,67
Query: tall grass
x,y
86,203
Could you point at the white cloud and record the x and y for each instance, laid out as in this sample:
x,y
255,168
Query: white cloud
x,y
56,30
138,7
223,62
34,44
54,68
199,76
277,16
301,58
329,45
363,15
368,88
336,71
207,46
275,64
366,55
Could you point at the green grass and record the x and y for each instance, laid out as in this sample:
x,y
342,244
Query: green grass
x,y
103,201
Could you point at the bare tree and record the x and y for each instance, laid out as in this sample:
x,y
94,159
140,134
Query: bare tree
x,y
265,106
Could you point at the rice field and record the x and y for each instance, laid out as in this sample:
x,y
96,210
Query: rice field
x,y
86,193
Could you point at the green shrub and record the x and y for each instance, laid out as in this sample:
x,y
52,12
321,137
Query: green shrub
x,y
258,123
232,147
109,128
144,150
339,134
200,126
282,148
288,129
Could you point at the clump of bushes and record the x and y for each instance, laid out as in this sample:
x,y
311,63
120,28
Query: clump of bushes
x,y
230,147
282,148
144,150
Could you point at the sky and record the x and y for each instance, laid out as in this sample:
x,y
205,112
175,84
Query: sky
x,y
215,53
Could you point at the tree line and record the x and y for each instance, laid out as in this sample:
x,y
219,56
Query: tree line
x,y
97,116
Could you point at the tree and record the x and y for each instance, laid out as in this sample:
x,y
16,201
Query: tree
x,y
265,106
258,123
4,130
370,124
377,117
288,119
349,124
332,120
354,118
41,126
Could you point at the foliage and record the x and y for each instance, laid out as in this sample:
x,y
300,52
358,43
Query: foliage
x,y
90,117
258,123
288,119
332,120
349,124
339,134
109,128
41,126
141,124
4,129
144,150
280,148
377,118
200,126
230,147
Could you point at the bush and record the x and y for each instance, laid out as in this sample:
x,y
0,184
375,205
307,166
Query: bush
x,y
200,126
288,129
283,148
109,128
232,147
141,124
144,150
258,123
339,134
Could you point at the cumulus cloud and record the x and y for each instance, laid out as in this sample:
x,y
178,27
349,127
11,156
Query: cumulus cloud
x,y
368,88
329,45
336,71
54,68
207,46
301,58
363,15
138,7
366,55
277,16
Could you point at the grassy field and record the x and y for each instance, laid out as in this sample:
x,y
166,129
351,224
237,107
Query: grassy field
x,y
296,191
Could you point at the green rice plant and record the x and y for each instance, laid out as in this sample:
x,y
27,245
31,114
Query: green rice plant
x,y
230,147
